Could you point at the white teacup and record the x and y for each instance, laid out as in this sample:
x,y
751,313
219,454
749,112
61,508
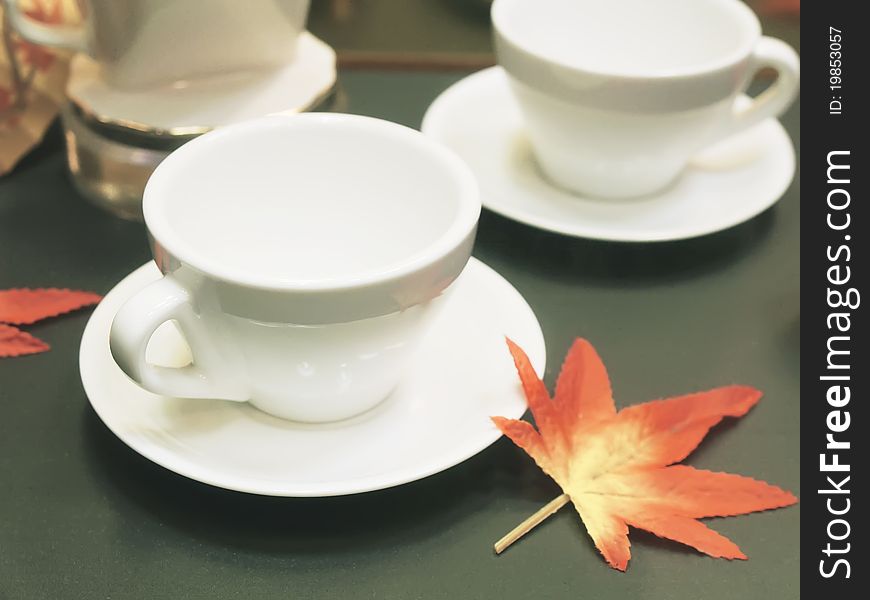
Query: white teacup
x,y
303,257
142,43
618,95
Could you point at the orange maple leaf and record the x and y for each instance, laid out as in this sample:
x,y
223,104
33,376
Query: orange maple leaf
x,y
618,467
14,342
25,306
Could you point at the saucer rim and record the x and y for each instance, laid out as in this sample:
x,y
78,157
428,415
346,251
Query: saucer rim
x,y
438,111
92,114
167,459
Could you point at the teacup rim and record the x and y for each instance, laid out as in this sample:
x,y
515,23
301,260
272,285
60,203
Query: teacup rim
x,y
463,225
736,57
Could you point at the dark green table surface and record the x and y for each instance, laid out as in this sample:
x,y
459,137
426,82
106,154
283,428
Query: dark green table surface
x,y
83,516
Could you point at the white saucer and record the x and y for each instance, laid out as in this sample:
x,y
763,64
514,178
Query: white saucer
x,y
437,418
204,104
726,185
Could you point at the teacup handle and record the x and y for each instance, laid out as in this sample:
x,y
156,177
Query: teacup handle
x,y
135,324
59,36
772,102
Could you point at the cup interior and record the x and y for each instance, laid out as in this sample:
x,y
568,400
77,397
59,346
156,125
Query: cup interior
x,y
642,38
310,199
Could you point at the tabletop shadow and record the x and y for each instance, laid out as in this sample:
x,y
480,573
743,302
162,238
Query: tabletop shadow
x,y
284,526
789,344
475,12
566,259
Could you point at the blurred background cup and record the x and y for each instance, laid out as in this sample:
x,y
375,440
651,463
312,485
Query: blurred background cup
x,y
142,43
617,96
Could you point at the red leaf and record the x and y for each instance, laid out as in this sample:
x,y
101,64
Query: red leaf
x,y
584,384
24,306
616,467
14,342
778,7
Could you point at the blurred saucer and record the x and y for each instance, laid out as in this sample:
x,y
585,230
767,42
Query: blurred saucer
x,y
437,417
196,106
725,185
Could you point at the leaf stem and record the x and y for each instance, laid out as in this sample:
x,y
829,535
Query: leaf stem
x,y
530,523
